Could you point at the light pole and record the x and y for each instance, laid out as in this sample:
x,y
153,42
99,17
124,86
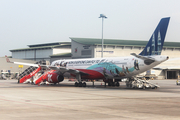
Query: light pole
x,y
102,16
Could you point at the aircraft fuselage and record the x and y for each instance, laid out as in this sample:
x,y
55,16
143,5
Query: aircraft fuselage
x,y
109,68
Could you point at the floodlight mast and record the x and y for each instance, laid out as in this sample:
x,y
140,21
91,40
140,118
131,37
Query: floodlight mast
x,y
102,16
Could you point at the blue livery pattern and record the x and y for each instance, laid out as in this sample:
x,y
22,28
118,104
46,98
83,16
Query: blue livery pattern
x,y
156,42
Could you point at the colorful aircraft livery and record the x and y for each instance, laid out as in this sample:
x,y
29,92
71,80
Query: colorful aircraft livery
x,y
111,68
121,67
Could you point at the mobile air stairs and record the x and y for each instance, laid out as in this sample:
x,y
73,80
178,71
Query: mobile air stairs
x,y
30,71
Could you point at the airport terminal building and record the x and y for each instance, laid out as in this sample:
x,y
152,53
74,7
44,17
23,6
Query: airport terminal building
x,y
91,48
41,51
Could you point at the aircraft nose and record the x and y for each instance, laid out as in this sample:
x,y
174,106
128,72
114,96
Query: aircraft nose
x,y
167,57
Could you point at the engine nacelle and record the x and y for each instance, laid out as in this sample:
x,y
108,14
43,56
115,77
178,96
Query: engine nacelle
x,y
54,78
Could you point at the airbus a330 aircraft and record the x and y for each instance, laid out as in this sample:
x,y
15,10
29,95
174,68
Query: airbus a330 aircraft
x,y
111,70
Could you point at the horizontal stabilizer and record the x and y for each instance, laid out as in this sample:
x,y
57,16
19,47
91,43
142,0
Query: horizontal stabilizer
x,y
143,57
147,60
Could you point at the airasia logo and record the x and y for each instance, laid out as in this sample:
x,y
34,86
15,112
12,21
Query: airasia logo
x,y
49,78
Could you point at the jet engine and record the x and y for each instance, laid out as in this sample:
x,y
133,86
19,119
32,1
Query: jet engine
x,y
54,78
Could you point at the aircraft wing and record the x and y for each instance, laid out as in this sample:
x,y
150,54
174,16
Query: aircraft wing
x,y
60,69
28,64
20,63
63,69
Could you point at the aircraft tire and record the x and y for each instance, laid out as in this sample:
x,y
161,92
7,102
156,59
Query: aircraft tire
x,y
83,84
76,84
113,84
109,83
117,84
154,87
80,84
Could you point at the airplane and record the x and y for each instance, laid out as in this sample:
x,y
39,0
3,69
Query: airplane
x,y
110,70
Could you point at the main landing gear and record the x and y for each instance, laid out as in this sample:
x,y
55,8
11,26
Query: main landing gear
x,y
80,84
113,84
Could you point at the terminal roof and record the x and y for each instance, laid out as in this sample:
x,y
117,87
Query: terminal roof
x,y
95,41
121,42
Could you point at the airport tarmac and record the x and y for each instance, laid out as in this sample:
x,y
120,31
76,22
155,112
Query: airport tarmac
x,y
66,102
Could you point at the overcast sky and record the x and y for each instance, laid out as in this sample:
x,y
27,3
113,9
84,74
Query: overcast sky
x,y
28,22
